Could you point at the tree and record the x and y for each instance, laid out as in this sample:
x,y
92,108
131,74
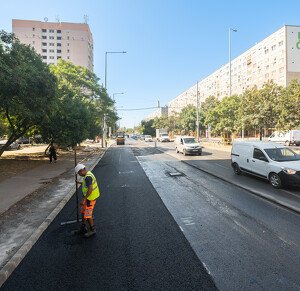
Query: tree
x,y
27,88
259,108
148,127
225,114
188,118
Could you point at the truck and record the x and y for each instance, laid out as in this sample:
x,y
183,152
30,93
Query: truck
x,y
291,137
162,134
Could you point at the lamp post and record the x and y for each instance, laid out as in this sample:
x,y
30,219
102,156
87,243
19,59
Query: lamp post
x,y
116,94
197,113
106,63
234,30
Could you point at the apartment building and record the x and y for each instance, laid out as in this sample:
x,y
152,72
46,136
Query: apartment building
x,y
157,113
276,58
72,42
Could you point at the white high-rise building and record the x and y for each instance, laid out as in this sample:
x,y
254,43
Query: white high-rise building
x,y
276,58
72,42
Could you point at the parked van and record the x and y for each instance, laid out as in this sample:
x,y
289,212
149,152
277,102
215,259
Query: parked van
x,y
288,138
187,145
272,161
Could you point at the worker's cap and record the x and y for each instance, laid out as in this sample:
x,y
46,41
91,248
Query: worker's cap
x,y
79,167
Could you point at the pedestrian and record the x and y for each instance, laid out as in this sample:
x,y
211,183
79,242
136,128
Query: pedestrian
x,y
106,142
52,151
90,193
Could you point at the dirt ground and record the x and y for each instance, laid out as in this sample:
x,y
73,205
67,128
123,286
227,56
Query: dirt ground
x,y
15,163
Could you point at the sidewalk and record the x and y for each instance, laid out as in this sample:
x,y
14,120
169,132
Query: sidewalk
x,y
31,201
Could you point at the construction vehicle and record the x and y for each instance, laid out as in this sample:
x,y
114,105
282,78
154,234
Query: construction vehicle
x,y
120,137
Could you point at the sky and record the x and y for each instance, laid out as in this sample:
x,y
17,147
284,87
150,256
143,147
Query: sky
x,y
170,44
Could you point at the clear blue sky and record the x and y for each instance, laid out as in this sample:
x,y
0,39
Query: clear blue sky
x,y
170,44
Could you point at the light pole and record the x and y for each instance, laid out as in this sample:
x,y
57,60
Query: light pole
x,y
197,113
106,63
116,94
234,30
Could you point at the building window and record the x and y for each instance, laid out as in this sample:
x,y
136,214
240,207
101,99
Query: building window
x,y
33,28
33,36
68,51
58,57
281,43
51,63
266,75
273,73
68,44
266,51
281,78
281,69
44,57
51,37
44,30
273,47
51,44
33,42
68,37
51,57
44,37
44,44
68,57
59,51
267,67
51,51
58,31
44,50
58,44
59,37
51,30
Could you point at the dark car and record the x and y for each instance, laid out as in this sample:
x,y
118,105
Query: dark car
x,y
22,140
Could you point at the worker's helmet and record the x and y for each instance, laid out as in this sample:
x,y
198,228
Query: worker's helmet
x,y
79,167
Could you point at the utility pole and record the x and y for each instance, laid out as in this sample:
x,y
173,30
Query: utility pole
x,y
197,113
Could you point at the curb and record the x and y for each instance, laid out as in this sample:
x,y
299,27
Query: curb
x,y
11,265
258,194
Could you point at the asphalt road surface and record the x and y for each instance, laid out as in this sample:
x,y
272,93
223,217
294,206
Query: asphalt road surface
x,y
138,245
245,242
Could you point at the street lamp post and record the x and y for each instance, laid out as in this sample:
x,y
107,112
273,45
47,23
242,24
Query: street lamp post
x,y
234,30
197,113
106,63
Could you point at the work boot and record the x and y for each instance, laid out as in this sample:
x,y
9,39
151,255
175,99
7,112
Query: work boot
x,y
82,230
91,232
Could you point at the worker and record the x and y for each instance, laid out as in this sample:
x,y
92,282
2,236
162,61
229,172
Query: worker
x,y
90,193
106,142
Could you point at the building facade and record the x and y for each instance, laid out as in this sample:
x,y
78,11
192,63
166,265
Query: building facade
x,y
72,42
275,58
157,113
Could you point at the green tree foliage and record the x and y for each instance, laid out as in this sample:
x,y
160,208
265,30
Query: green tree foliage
x,y
207,106
147,127
27,88
224,116
188,118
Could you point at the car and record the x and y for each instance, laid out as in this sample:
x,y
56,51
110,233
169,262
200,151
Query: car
x,y
148,138
13,146
163,137
22,140
187,145
271,161
142,137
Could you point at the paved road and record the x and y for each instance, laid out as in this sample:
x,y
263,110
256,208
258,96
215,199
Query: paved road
x,y
138,245
246,242
218,162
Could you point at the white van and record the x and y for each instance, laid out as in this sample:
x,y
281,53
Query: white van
x,y
272,161
187,145
288,138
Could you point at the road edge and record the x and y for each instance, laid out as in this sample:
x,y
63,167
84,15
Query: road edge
x,y
12,264
256,193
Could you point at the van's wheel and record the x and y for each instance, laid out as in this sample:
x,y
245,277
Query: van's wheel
x,y
236,169
184,152
177,151
287,143
275,180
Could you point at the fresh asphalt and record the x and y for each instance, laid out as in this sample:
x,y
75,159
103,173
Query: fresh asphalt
x,y
138,245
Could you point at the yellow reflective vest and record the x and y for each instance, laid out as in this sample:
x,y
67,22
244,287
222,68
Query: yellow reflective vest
x,y
95,193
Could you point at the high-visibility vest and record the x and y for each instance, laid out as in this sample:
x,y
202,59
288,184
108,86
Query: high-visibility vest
x,y
95,193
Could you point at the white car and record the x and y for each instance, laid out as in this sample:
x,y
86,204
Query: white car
x,y
187,145
148,138
272,161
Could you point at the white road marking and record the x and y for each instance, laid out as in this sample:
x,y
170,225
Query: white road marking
x,y
181,228
126,172
208,271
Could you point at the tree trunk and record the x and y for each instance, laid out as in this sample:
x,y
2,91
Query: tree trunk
x,y
260,133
